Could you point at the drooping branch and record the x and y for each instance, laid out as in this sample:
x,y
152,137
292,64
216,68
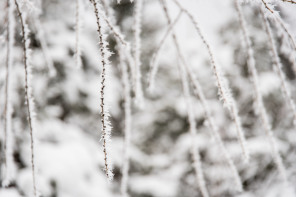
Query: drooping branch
x,y
78,30
281,26
267,7
154,61
120,38
278,65
8,135
258,96
284,87
289,1
137,51
106,125
222,84
127,123
28,89
192,124
198,91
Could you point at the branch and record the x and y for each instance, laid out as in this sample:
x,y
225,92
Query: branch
x,y
28,90
289,1
106,125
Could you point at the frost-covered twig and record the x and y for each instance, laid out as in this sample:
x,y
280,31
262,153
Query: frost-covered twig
x,y
192,124
283,27
106,125
289,1
266,6
41,36
8,136
127,123
105,5
115,30
287,31
200,94
28,88
154,61
222,84
137,51
258,96
286,36
78,29
278,65
120,38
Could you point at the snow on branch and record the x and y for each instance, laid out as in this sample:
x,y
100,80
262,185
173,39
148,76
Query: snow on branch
x,y
106,125
278,65
127,122
204,103
222,84
289,1
258,96
154,62
281,26
137,51
28,88
41,36
119,36
192,124
78,31
8,135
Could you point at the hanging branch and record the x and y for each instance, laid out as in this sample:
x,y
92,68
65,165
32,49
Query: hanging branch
x,y
37,24
267,7
200,94
127,123
105,5
192,124
106,125
284,86
120,38
123,52
137,51
222,84
291,52
289,1
258,96
278,65
8,136
281,25
41,36
78,29
28,89
154,61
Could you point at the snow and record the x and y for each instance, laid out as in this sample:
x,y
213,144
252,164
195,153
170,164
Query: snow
x,y
69,149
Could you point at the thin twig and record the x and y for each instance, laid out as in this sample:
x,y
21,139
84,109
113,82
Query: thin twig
x,y
77,43
285,89
192,124
267,7
106,127
137,51
28,90
127,121
8,156
154,61
289,1
258,96
198,91
222,84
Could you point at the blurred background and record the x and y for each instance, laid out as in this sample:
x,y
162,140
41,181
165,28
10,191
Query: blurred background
x,y
69,156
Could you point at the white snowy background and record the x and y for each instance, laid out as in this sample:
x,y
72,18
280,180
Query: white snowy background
x,y
69,156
